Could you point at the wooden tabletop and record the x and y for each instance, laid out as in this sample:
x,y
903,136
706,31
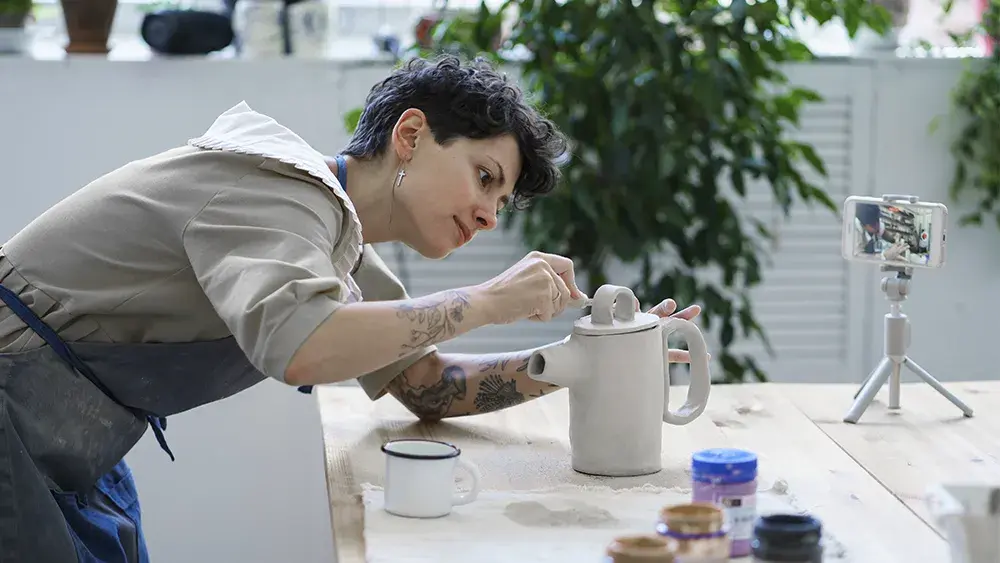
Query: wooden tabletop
x,y
866,482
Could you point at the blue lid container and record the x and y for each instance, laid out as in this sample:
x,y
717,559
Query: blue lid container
x,y
723,465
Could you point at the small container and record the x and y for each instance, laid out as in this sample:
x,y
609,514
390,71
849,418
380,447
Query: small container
x,y
728,478
697,532
639,548
787,538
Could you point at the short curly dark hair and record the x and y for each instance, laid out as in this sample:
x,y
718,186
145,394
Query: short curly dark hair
x,y
471,101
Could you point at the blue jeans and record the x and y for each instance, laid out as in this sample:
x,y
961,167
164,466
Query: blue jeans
x,y
105,522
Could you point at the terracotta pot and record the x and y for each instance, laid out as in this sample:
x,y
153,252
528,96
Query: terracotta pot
x,y
423,31
88,24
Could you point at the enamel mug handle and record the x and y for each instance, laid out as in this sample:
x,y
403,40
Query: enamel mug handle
x,y
465,498
701,377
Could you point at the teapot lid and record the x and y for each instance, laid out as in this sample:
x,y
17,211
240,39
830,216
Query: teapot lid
x,y
614,312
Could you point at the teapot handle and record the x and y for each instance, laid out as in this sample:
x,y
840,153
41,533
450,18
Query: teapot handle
x,y
701,377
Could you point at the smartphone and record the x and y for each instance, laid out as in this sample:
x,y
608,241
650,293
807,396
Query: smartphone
x,y
894,232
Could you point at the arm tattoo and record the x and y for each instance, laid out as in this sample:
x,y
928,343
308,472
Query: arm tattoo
x,y
496,393
434,319
498,381
432,401
500,362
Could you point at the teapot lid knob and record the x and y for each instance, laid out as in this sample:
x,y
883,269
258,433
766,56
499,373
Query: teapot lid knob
x,y
613,311
611,303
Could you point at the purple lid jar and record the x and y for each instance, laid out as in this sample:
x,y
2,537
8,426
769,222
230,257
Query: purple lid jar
x,y
728,478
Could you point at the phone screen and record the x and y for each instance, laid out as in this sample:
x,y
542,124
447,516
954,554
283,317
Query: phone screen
x,y
893,232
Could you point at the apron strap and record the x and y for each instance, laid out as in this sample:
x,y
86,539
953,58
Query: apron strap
x,y
342,178
341,170
35,323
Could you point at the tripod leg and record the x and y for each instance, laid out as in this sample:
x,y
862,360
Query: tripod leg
x,y
875,371
894,378
929,379
875,381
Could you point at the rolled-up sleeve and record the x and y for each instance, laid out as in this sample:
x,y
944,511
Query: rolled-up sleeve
x,y
262,251
378,283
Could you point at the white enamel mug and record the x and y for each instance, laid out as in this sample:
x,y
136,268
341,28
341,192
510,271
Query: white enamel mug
x,y
420,478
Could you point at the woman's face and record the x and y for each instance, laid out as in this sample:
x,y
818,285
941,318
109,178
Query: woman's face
x,y
449,192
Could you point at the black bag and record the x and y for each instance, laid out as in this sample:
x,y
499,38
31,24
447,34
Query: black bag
x,y
186,32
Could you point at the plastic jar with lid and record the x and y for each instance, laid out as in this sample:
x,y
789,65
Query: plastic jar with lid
x,y
639,548
787,538
728,478
696,531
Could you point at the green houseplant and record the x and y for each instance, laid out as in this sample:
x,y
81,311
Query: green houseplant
x,y
677,109
13,13
976,147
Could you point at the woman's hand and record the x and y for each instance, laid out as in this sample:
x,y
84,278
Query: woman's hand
x,y
895,251
537,287
666,309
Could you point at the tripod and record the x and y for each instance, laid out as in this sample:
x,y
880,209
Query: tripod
x,y
896,340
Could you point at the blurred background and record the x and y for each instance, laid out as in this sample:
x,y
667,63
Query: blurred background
x,y
714,143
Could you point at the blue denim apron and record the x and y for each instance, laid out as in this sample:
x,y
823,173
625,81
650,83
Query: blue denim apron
x,y
69,412
68,415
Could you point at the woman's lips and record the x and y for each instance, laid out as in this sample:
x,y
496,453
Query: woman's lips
x,y
463,232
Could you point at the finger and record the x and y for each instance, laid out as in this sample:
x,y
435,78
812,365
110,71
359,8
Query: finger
x,y
563,267
542,313
546,301
562,294
665,308
689,313
677,356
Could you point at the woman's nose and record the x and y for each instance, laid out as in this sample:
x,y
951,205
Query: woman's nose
x,y
485,220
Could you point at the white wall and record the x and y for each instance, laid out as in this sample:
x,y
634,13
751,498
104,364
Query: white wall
x,y
248,484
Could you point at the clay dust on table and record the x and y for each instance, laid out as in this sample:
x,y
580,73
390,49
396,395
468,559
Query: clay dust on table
x,y
537,515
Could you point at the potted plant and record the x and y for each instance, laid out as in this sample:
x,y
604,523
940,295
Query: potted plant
x,y
976,100
676,109
13,15
88,24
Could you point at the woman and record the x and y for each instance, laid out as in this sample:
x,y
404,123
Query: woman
x,y
870,236
191,275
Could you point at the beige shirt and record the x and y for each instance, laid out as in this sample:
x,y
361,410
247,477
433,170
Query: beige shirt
x,y
244,232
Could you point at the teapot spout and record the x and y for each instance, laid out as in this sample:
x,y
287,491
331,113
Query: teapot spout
x,y
555,363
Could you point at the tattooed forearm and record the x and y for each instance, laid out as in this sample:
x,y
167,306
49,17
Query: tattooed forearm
x,y
434,400
499,362
496,393
504,382
434,318
494,382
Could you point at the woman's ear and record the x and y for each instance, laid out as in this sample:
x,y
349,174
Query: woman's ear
x,y
406,135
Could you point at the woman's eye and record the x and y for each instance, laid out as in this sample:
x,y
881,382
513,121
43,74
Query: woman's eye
x,y
485,177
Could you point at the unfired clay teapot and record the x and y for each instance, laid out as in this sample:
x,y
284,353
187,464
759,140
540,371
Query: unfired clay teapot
x,y
615,366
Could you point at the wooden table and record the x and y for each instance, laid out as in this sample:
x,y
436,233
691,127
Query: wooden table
x,y
865,482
